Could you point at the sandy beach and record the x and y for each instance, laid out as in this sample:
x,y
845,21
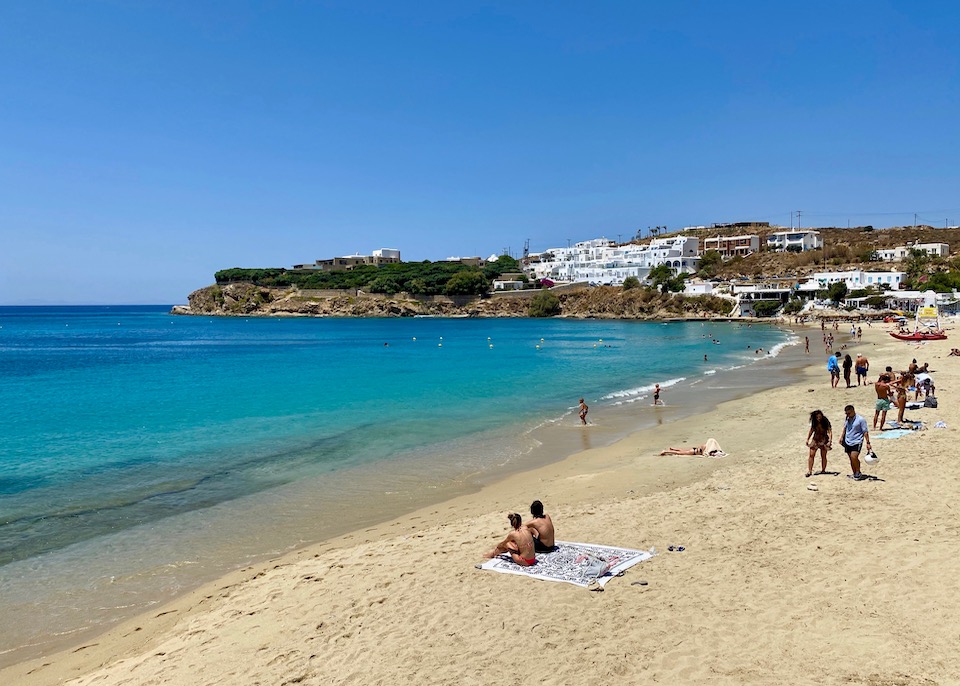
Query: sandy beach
x,y
849,584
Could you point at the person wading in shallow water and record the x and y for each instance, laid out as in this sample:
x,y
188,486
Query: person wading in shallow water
x,y
583,411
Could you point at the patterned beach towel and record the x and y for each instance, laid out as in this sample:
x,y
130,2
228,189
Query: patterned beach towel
x,y
580,564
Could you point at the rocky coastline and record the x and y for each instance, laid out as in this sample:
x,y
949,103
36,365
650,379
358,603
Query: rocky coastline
x,y
585,302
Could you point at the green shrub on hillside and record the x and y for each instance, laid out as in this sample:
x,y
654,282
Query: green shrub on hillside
x,y
544,304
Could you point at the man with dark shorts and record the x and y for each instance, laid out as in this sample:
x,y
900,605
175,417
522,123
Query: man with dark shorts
x,y
542,529
853,437
862,366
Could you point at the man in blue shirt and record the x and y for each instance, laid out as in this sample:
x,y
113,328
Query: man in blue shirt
x,y
834,368
853,437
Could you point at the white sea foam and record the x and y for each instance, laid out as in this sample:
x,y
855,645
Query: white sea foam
x,y
631,395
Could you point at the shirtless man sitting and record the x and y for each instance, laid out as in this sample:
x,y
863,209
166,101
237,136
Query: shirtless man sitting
x,y
542,529
518,543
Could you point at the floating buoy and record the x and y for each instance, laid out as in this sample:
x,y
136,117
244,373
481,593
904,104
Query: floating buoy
x,y
491,345
439,345
414,338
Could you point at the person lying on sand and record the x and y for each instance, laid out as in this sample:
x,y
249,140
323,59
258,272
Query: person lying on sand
x,y
711,449
542,529
518,543
696,450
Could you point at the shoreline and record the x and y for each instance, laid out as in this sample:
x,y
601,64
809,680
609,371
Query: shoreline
x,y
625,484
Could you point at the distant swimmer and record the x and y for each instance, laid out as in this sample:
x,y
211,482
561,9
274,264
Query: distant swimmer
x,y
583,411
656,394
518,544
542,529
704,358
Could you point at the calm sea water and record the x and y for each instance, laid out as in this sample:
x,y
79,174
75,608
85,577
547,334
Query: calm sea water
x,y
137,445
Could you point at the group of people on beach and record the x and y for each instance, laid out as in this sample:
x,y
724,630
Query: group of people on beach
x,y
891,389
524,541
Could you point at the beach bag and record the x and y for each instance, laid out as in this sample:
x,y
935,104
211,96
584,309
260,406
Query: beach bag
x,y
870,457
930,401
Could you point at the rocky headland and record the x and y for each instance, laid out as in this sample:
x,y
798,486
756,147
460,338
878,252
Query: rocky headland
x,y
602,302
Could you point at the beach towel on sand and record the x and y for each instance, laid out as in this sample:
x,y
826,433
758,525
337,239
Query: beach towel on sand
x,y
580,564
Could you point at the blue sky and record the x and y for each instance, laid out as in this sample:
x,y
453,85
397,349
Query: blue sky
x,y
145,145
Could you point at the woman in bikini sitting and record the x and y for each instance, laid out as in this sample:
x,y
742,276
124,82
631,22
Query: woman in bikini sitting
x,y
518,543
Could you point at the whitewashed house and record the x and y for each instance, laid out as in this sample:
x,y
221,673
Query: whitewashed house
x,y
901,253
857,279
805,240
602,262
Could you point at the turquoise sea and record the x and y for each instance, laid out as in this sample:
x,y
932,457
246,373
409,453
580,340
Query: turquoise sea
x,y
143,452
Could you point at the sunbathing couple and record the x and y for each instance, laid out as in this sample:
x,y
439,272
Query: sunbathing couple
x,y
524,541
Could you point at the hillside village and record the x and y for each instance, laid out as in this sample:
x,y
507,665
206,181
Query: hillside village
x,y
756,260
756,268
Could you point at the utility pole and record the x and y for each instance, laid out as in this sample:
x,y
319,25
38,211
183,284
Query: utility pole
x,y
619,236
798,220
914,220
791,220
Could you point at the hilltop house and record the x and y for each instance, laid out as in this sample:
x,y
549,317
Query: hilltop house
x,y
785,240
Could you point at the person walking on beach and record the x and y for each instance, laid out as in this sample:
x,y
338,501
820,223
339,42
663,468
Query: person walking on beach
x,y
656,394
862,365
806,345
518,543
583,411
847,366
820,437
542,529
853,437
834,368
883,400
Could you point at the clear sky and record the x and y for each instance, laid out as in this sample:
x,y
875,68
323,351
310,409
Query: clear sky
x,y
146,144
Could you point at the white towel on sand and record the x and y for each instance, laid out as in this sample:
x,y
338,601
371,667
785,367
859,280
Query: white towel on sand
x,y
712,449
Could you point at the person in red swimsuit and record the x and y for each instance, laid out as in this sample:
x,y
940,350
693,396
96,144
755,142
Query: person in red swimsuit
x,y
518,543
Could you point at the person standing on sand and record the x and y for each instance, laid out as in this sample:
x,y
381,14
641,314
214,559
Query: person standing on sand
x,y
541,527
855,433
820,437
834,368
518,543
901,388
862,365
883,400
583,411
847,366
806,345
656,394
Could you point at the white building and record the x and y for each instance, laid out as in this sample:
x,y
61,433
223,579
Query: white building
x,y
857,279
603,262
901,253
805,240
728,246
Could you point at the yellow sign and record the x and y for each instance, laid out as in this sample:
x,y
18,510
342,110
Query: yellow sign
x,y
927,312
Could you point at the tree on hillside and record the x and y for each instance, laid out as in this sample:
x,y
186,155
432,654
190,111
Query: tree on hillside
x,y
504,264
467,283
544,304
710,263
837,291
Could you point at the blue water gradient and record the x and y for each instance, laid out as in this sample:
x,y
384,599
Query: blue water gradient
x,y
114,417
